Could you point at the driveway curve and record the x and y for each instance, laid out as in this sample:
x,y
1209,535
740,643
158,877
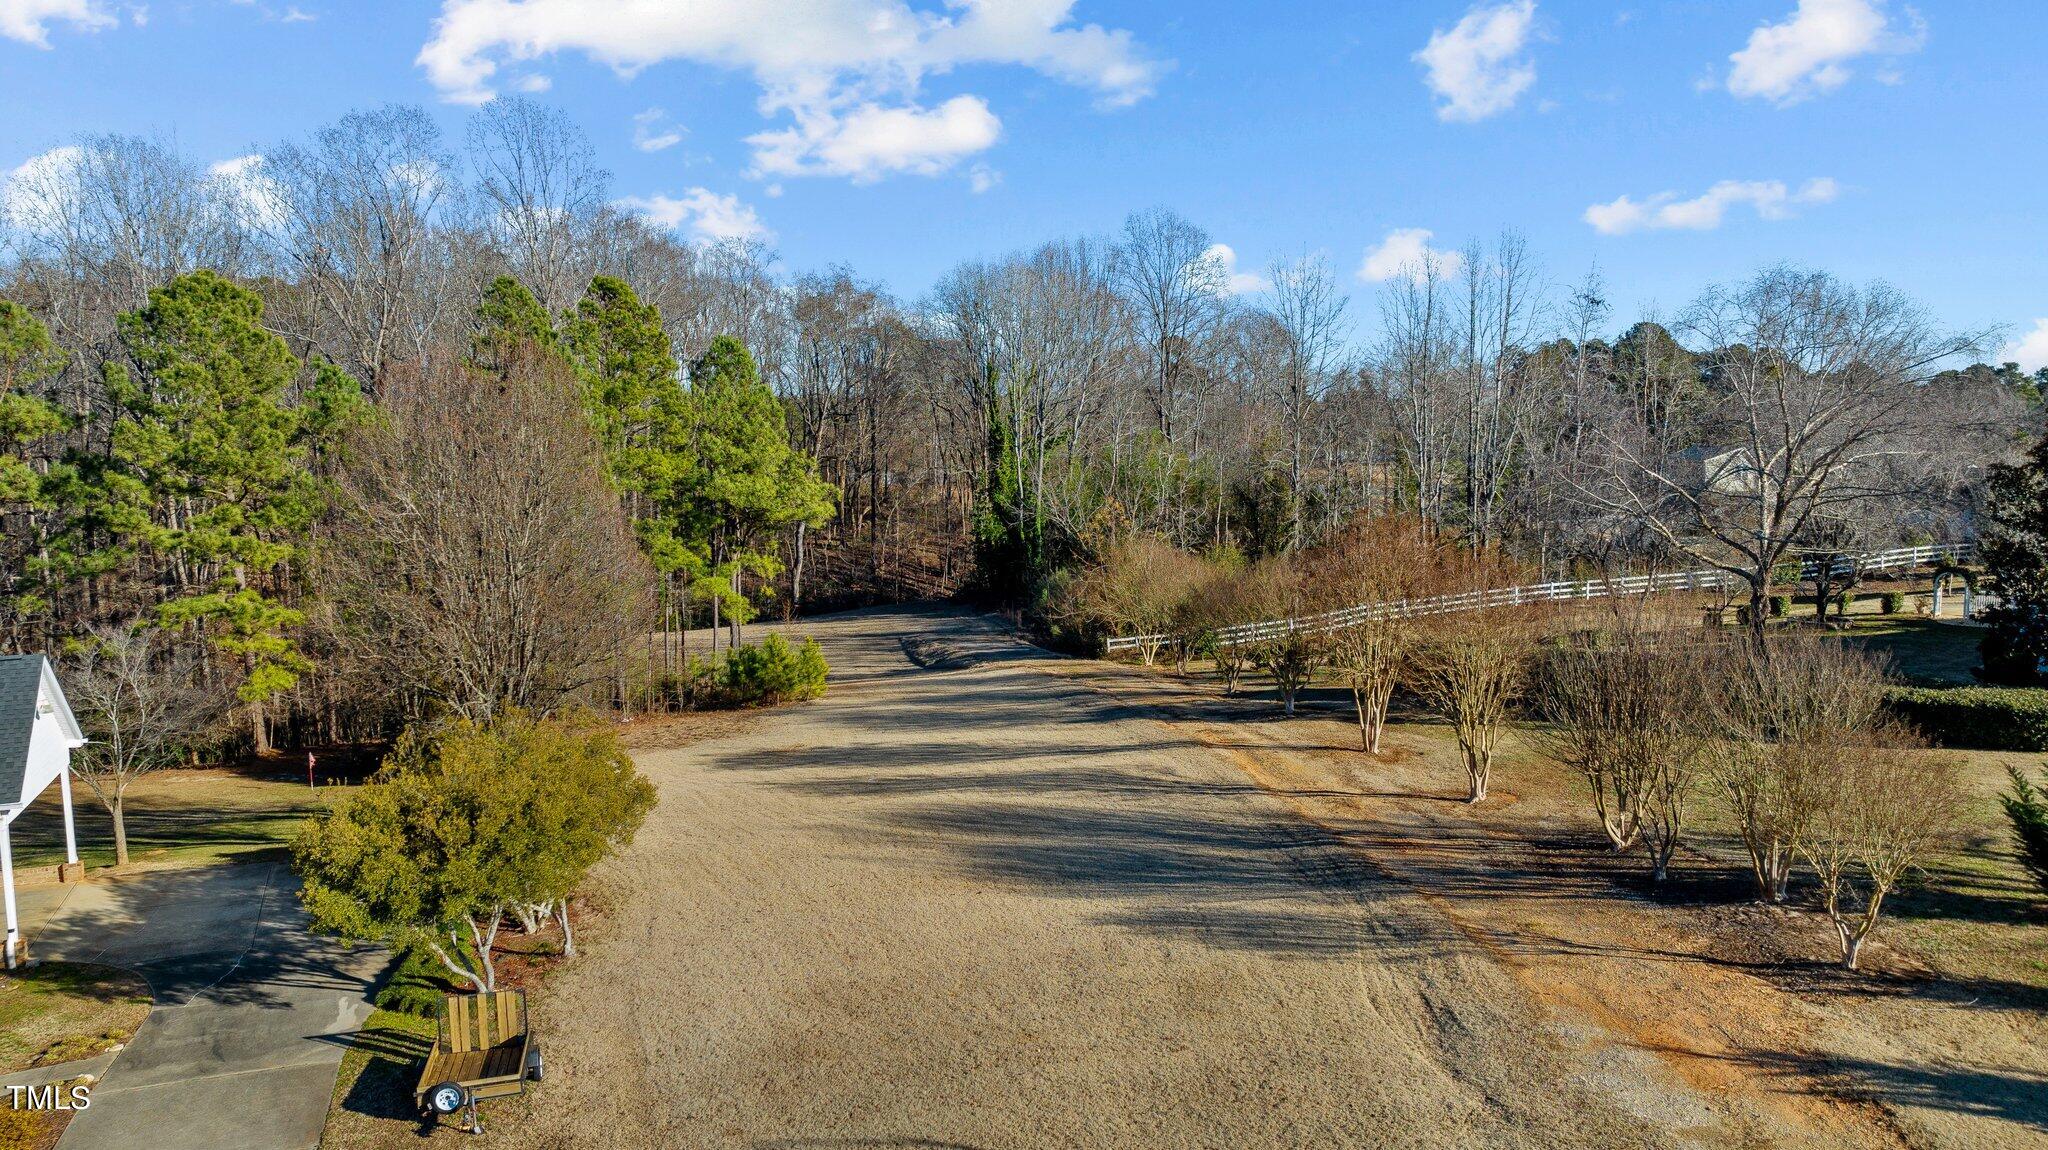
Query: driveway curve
x,y
251,1012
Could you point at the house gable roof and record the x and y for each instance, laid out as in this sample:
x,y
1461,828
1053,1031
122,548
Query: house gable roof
x,y
25,680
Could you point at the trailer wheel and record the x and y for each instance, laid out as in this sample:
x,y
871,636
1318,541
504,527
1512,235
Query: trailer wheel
x,y
535,1070
447,1098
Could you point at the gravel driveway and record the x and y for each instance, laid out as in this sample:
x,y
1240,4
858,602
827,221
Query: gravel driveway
x,y
961,902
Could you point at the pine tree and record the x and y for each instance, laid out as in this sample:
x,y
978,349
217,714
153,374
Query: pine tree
x,y
2014,548
508,317
748,482
635,398
207,479
28,423
2027,808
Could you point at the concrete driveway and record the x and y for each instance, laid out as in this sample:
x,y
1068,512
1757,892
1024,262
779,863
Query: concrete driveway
x,y
251,1014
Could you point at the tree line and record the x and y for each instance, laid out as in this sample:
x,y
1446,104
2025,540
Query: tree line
x,y
1022,416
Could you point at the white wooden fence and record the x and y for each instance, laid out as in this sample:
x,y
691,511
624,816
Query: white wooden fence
x,y
1706,579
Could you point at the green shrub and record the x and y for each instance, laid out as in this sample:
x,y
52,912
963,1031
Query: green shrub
x,y
1894,602
772,671
1781,606
1978,718
2027,808
1785,574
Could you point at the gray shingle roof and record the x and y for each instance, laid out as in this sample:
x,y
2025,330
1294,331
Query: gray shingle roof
x,y
21,677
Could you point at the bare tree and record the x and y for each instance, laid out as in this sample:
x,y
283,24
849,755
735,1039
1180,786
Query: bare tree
x,y
1276,588
1627,703
483,557
1414,364
1887,806
1384,560
138,697
1785,712
353,219
1471,666
1812,412
1310,309
538,191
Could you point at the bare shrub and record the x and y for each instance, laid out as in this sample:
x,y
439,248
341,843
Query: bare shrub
x,y
1784,713
1884,807
1216,600
1274,589
1628,704
1136,589
1379,559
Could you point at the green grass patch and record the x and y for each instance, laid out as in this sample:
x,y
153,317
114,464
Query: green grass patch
x,y
186,817
375,1084
57,1011
1922,651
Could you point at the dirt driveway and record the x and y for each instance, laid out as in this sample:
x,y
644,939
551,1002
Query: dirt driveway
x,y
963,902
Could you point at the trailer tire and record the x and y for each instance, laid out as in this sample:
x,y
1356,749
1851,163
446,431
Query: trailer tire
x,y
535,1069
447,1097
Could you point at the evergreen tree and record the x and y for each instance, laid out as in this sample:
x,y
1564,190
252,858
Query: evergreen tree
x,y
28,422
2014,547
508,317
748,482
641,413
2027,809
207,480
1006,557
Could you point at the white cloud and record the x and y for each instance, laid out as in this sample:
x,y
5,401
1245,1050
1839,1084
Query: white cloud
x,y
29,20
252,192
844,70
2030,351
1809,51
653,133
1239,283
1403,250
703,213
982,178
868,142
41,187
1770,199
1477,67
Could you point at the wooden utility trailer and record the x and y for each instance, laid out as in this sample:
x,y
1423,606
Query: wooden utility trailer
x,y
482,1050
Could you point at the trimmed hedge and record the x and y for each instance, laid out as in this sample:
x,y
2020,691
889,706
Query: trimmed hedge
x,y
1781,606
1894,602
1976,718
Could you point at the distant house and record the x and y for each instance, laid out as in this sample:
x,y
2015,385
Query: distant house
x,y
1723,470
37,735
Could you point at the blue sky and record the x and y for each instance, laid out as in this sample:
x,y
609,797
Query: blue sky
x,y
1867,137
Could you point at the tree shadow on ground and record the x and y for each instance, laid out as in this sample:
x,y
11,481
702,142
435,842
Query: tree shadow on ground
x,y
384,1089
2007,1095
232,933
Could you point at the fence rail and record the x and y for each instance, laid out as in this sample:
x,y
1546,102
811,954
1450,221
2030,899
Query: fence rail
x,y
1704,579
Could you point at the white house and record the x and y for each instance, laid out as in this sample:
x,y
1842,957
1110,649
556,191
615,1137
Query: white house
x,y
37,735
